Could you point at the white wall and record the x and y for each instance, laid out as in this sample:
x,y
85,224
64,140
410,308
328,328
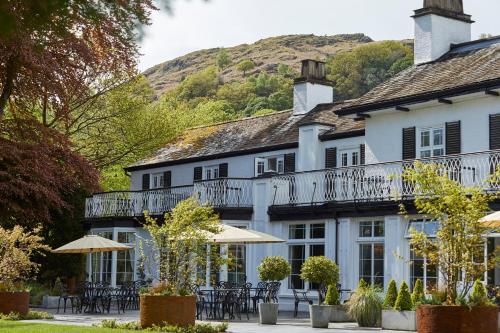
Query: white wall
x,y
384,130
311,155
434,34
307,95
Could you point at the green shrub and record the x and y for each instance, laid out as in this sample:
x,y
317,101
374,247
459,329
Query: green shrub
x,y
479,295
136,326
37,291
418,295
32,315
274,269
362,284
365,306
332,295
320,270
403,302
391,295
58,288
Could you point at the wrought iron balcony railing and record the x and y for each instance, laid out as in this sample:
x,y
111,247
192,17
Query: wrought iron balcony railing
x,y
377,182
219,193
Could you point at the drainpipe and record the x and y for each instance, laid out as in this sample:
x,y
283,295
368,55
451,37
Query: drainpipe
x,y
337,223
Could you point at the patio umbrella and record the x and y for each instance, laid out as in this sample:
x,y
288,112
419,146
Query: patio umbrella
x,y
232,235
91,244
492,220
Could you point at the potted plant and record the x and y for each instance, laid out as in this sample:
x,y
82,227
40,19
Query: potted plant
x,y
181,243
365,305
338,311
325,272
271,269
51,300
458,242
401,315
16,249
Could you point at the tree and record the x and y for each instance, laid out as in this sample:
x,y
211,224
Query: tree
x,y
391,295
202,84
358,71
245,66
222,60
403,302
67,46
458,249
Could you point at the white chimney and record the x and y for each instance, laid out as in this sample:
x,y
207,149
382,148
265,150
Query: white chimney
x,y
438,25
311,88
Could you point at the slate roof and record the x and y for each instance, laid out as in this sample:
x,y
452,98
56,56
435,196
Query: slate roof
x,y
466,68
275,131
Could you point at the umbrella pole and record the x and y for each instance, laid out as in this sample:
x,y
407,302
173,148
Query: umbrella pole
x,y
90,268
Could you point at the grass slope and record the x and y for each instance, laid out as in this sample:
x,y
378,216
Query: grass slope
x,y
25,327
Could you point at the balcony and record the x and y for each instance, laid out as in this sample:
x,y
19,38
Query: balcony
x,y
376,182
218,193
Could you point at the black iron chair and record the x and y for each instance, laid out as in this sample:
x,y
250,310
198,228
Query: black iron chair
x,y
259,295
300,296
65,297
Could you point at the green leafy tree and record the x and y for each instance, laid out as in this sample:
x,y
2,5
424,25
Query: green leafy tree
x,y
320,270
479,295
223,59
286,71
418,294
332,295
202,84
459,240
391,295
403,302
274,269
245,66
358,71
238,94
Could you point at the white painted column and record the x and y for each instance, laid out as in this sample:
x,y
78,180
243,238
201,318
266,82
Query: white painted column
x,y
346,259
396,255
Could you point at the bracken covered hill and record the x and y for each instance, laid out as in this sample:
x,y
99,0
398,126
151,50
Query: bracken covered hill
x,y
267,54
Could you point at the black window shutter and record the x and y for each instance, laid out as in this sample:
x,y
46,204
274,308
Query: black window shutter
x,y
330,158
289,162
453,138
167,179
495,131
223,170
145,181
362,157
409,143
198,173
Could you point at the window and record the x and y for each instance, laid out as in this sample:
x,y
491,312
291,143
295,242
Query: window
x,y
274,164
304,240
371,252
349,157
431,142
157,180
125,259
429,227
237,271
102,262
211,172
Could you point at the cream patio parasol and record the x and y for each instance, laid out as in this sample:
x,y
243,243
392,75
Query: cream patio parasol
x,y
491,221
233,235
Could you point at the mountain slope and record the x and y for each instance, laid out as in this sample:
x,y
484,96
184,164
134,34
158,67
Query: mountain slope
x,y
267,54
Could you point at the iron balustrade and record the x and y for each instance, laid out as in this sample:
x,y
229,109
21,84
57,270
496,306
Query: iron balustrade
x,y
378,182
218,193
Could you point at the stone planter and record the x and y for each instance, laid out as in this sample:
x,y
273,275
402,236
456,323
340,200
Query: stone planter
x,y
399,320
50,302
457,319
339,314
172,310
268,313
14,302
320,315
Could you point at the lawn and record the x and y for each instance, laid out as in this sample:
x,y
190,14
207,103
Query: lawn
x,y
24,327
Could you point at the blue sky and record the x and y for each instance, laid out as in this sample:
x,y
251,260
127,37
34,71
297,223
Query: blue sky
x,y
196,24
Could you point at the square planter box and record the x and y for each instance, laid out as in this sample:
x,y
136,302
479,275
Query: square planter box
x,y
50,302
339,314
399,320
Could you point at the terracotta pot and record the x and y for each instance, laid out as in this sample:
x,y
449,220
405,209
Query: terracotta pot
x,y
457,319
14,302
173,310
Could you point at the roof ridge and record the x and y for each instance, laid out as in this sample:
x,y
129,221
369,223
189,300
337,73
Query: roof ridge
x,y
472,42
238,120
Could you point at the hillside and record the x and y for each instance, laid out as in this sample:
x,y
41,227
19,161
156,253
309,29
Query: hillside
x,y
267,54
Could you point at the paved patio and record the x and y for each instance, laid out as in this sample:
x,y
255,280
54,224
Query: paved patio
x,y
286,323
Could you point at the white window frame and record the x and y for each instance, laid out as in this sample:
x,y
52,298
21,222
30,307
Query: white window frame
x,y
432,146
157,180
280,164
306,242
349,154
371,240
214,172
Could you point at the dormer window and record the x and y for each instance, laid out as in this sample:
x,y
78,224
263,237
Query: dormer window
x,y
271,164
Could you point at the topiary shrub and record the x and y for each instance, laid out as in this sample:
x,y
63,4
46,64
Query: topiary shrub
x,y
320,270
403,302
274,269
332,295
418,295
391,295
58,288
365,306
362,284
479,295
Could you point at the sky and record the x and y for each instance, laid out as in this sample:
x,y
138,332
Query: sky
x,y
199,24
